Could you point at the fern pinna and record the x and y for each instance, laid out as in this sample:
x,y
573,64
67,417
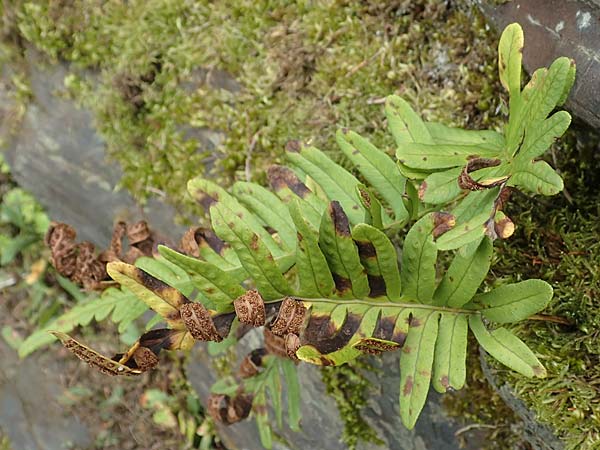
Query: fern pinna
x,y
316,262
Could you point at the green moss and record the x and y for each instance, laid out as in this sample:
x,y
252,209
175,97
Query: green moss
x,y
303,71
349,387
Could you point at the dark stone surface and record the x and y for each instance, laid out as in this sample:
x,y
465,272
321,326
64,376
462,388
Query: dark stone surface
x,y
30,411
58,156
540,436
556,28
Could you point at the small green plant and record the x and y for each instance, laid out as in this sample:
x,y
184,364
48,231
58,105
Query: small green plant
x,y
322,262
22,220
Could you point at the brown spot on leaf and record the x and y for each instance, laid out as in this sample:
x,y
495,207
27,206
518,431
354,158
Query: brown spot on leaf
x,y
150,282
321,334
198,322
445,382
399,337
366,249
422,190
281,177
197,238
384,328
325,361
377,285
250,308
408,386
254,242
162,338
442,222
339,218
414,322
365,197
342,284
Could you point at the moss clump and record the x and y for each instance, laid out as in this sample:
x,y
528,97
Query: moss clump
x,y
301,72
350,389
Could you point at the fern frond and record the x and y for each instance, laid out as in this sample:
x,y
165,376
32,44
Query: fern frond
x,y
119,304
353,299
325,272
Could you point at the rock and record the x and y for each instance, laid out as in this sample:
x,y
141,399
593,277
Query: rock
x,y
58,157
556,28
540,436
30,412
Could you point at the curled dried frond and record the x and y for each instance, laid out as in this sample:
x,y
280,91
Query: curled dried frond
x,y
290,318
229,410
250,308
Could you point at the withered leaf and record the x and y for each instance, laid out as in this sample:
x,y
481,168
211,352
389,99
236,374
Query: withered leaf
x,y
465,181
95,359
199,322
224,409
251,364
275,344
290,318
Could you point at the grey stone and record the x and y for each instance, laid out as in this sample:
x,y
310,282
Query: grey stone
x,y
58,156
540,436
30,412
556,28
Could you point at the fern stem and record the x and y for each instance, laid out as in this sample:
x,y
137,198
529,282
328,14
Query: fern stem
x,y
549,318
394,305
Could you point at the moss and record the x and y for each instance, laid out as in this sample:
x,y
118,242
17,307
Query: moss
x,y
319,68
350,389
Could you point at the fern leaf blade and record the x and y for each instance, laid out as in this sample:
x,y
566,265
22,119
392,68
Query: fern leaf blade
x,y
416,362
449,366
377,168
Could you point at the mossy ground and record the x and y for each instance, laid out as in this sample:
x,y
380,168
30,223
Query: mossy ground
x,y
302,72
